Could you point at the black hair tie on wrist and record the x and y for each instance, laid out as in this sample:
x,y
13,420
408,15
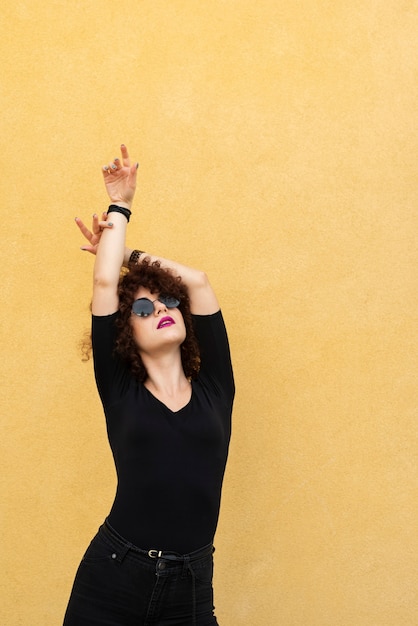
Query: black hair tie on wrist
x,y
114,208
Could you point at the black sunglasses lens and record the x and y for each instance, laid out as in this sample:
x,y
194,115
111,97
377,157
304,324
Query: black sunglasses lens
x,y
142,307
169,301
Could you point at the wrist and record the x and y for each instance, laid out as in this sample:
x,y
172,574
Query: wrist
x,y
132,257
122,203
135,257
115,208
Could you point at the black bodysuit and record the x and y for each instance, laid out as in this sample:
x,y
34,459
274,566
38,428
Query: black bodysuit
x,y
170,464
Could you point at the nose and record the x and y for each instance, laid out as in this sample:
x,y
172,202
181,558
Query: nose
x,y
159,307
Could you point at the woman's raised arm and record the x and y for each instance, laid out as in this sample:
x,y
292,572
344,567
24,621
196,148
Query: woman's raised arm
x,y
203,299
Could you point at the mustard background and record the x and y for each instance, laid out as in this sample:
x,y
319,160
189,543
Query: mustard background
x,y
278,151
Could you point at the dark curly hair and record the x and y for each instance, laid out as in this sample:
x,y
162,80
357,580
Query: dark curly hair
x,y
158,280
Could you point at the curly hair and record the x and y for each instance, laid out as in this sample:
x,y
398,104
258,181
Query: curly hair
x,y
158,280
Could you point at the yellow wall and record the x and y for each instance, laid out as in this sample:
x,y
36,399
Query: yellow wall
x,y
278,151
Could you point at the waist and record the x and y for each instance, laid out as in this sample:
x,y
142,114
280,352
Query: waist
x,y
155,552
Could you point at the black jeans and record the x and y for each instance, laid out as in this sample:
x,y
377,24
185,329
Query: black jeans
x,y
118,584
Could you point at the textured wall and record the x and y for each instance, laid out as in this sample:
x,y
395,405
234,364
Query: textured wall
x,y
277,142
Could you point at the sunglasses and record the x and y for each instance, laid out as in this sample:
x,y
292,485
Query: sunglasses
x,y
144,306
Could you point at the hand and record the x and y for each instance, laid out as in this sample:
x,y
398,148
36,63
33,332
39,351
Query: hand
x,y
120,179
93,236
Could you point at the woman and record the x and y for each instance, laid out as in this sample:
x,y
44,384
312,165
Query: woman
x,y
164,375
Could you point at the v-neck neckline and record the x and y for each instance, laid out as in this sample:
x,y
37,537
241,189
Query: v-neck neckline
x,y
163,404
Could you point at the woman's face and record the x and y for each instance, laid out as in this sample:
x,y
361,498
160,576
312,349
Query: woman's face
x,y
161,331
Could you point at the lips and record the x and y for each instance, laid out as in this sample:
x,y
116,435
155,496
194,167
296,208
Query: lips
x,y
165,322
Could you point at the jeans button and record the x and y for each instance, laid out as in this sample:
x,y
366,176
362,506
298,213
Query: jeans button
x,y
161,565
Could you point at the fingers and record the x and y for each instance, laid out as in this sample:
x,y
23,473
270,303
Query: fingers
x,y
97,227
127,161
132,176
91,249
125,155
112,168
105,224
117,164
85,231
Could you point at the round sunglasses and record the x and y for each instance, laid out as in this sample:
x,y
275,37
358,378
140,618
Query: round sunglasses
x,y
144,306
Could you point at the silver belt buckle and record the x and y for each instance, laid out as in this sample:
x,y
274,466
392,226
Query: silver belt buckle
x,y
155,554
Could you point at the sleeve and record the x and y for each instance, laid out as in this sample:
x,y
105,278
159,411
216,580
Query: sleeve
x,y
111,375
215,354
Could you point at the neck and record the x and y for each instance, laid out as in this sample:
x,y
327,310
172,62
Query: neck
x,y
167,382
165,374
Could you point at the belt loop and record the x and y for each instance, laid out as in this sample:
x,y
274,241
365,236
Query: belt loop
x,y
122,551
186,567
188,570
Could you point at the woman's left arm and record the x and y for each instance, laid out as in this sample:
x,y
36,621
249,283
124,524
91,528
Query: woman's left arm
x,y
203,299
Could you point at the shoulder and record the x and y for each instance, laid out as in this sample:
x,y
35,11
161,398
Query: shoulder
x,y
211,320
104,319
103,332
210,328
104,323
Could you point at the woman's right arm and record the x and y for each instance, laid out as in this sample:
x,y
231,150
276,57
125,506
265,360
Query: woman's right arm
x,y
120,182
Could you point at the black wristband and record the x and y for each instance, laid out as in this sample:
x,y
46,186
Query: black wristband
x,y
134,258
114,208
